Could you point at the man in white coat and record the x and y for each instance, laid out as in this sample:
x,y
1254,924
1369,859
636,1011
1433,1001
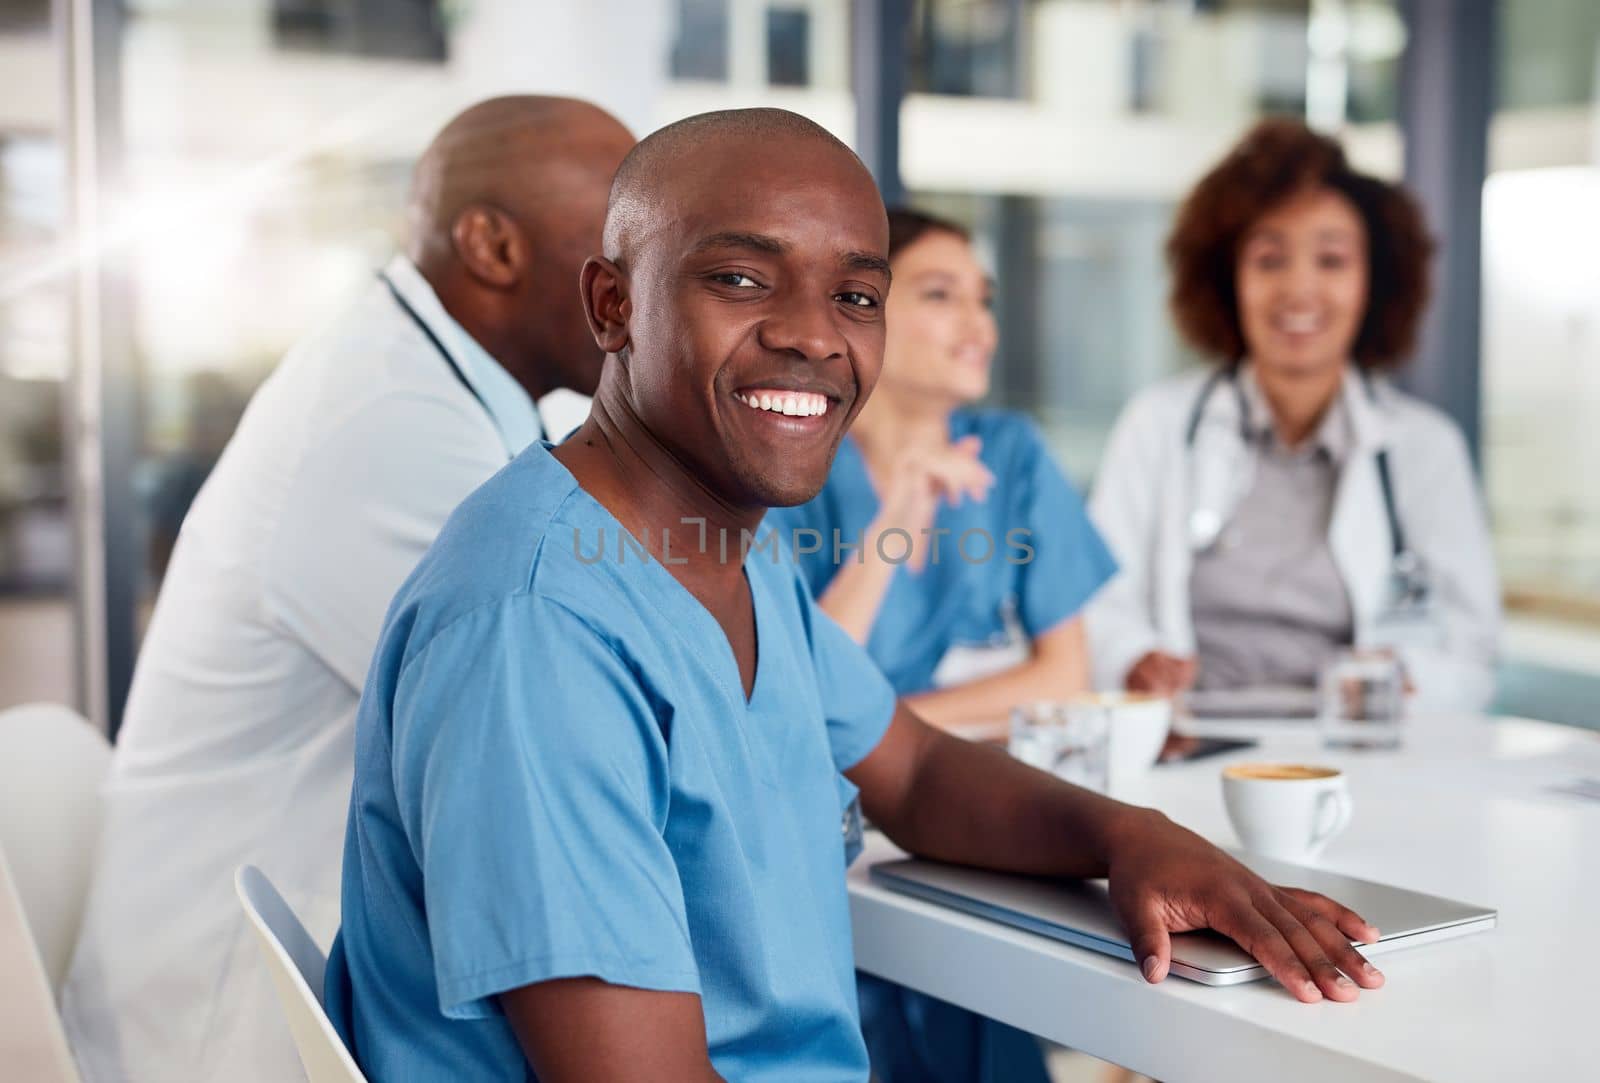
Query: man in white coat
x,y
237,740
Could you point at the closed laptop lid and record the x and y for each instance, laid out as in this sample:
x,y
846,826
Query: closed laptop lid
x,y
1080,911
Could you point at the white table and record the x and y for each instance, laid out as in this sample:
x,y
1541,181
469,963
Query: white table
x,y
1462,810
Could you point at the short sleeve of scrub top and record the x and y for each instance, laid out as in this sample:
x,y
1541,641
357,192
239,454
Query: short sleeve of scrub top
x,y
1070,561
856,701
543,856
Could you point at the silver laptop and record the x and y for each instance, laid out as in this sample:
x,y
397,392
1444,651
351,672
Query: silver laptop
x,y
1080,912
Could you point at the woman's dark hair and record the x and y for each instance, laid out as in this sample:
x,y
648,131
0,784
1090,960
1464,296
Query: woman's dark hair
x,y
1277,160
906,227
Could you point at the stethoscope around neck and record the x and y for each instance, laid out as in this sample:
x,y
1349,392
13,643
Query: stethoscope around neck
x,y
433,339
1409,586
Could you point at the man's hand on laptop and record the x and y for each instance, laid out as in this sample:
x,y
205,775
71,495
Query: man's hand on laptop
x,y
944,798
1166,879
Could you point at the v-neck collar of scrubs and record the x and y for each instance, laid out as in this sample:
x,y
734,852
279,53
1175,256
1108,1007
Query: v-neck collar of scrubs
x,y
670,596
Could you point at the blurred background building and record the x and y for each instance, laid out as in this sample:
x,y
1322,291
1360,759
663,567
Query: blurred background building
x,y
187,186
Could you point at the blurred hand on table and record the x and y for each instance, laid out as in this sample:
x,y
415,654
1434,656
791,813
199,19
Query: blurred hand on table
x,y
1161,674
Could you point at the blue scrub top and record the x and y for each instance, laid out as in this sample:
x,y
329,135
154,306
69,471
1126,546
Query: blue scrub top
x,y
963,600
558,774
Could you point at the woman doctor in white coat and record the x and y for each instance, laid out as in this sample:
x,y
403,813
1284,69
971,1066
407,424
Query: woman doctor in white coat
x,y
1290,501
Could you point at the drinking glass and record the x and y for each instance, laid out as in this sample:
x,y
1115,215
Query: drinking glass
x,y
1362,697
1072,745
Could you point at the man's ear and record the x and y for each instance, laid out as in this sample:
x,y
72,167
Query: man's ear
x,y
606,303
490,245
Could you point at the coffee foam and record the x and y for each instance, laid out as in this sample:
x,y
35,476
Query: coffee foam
x,y
1279,772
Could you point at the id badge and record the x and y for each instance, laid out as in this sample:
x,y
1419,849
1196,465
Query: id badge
x,y
1406,626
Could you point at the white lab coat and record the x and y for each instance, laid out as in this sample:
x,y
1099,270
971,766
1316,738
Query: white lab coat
x,y
237,744
1150,482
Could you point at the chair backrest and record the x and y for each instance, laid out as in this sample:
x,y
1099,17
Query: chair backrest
x,y
296,965
52,766
32,1044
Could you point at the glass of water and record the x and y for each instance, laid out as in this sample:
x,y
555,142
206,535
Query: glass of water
x,y
1072,745
1362,699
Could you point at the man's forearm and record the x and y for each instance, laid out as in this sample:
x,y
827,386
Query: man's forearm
x,y
973,804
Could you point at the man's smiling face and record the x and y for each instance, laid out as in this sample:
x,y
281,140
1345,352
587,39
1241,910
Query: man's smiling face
x,y
755,313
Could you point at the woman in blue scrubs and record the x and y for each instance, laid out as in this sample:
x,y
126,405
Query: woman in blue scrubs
x,y
976,557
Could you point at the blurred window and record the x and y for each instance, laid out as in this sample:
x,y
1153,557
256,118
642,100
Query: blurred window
x,y
967,47
788,46
400,29
1541,310
700,48
1547,53
753,44
36,534
1064,132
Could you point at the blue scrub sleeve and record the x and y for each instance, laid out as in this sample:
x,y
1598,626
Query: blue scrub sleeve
x,y
1070,560
532,778
857,700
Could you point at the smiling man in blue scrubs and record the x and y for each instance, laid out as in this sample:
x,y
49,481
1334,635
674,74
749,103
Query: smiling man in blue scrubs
x,y
602,804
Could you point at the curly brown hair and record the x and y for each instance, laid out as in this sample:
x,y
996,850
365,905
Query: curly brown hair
x,y
1275,161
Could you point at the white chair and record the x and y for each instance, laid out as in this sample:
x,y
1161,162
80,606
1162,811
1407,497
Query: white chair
x,y
32,1044
52,765
297,965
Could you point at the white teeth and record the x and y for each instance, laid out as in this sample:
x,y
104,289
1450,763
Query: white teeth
x,y
797,404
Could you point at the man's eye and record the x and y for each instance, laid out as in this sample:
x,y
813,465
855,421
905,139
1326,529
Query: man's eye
x,y
858,299
737,280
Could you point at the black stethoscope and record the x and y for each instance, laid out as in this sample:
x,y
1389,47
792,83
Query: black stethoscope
x,y
422,325
1408,579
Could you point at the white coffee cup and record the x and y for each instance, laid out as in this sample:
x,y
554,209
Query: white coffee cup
x,y
1136,727
1288,811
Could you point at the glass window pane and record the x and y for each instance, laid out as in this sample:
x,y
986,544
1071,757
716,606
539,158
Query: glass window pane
x,y
700,47
1541,317
36,535
788,47
967,47
1068,145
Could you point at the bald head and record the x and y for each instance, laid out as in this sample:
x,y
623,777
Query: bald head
x,y
508,152
681,156
506,203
